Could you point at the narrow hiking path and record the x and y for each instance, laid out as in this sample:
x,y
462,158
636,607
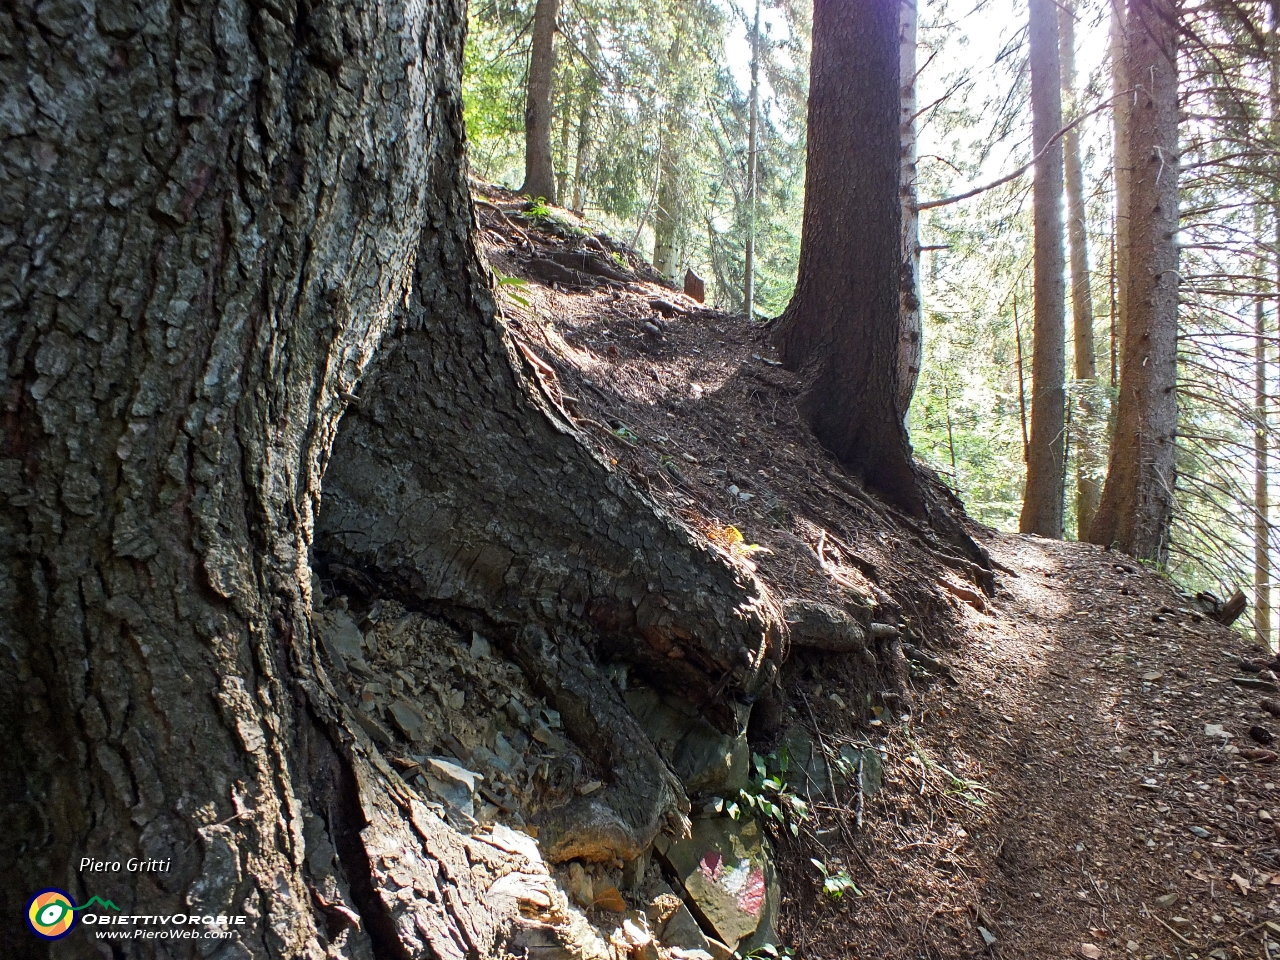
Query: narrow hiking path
x,y
1074,772
1087,788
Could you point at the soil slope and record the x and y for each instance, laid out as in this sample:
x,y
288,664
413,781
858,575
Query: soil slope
x,y
1072,764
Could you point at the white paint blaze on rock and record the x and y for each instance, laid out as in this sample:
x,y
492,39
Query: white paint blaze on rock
x,y
727,870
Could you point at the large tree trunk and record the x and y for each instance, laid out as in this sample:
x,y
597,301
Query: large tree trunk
x,y
539,171
213,215
1137,500
843,324
1122,170
911,336
1042,501
212,219
1088,463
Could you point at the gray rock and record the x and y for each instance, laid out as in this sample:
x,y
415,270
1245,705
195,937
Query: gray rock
x,y
376,731
341,639
406,716
453,784
807,770
707,760
822,626
1200,832
727,870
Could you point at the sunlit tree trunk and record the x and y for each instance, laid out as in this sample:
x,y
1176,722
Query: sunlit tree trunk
x,y
753,123
1088,463
539,169
1043,500
566,125
586,109
1136,510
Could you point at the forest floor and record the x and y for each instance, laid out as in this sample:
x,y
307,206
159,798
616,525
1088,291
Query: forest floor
x,y
1076,767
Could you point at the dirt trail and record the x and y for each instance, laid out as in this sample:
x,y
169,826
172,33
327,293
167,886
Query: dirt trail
x,y
1078,779
1087,811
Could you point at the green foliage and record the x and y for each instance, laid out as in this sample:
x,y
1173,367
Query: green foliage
x,y
769,796
649,124
836,881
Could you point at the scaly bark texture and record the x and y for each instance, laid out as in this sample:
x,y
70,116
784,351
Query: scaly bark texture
x,y
212,215
1042,500
459,486
843,324
911,342
539,170
1088,462
1137,500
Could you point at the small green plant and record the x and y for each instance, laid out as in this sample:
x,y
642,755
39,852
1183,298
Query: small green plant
x,y
768,794
538,209
765,950
516,282
836,882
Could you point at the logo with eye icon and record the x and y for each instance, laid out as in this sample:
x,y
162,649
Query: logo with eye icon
x,y
51,914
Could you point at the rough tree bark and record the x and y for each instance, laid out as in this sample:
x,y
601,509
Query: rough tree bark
x,y
911,342
843,324
1136,510
1121,113
539,170
1088,463
1042,500
212,215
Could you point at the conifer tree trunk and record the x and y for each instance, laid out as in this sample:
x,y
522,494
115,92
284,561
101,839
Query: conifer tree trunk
x,y
1088,463
753,122
223,223
1136,510
586,107
1261,493
539,169
1121,110
843,325
666,214
1042,501
911,343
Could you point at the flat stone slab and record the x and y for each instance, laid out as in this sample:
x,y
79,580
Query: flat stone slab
x,y
727,871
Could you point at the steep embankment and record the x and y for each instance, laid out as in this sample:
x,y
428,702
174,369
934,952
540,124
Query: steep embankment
x,y
1051,762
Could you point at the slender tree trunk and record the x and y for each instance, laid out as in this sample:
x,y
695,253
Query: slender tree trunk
x,y
666,216
1121,114
562,168
753,123
539,170
586,107
1042,501
1136,511
1088,463
911,343
1261,494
